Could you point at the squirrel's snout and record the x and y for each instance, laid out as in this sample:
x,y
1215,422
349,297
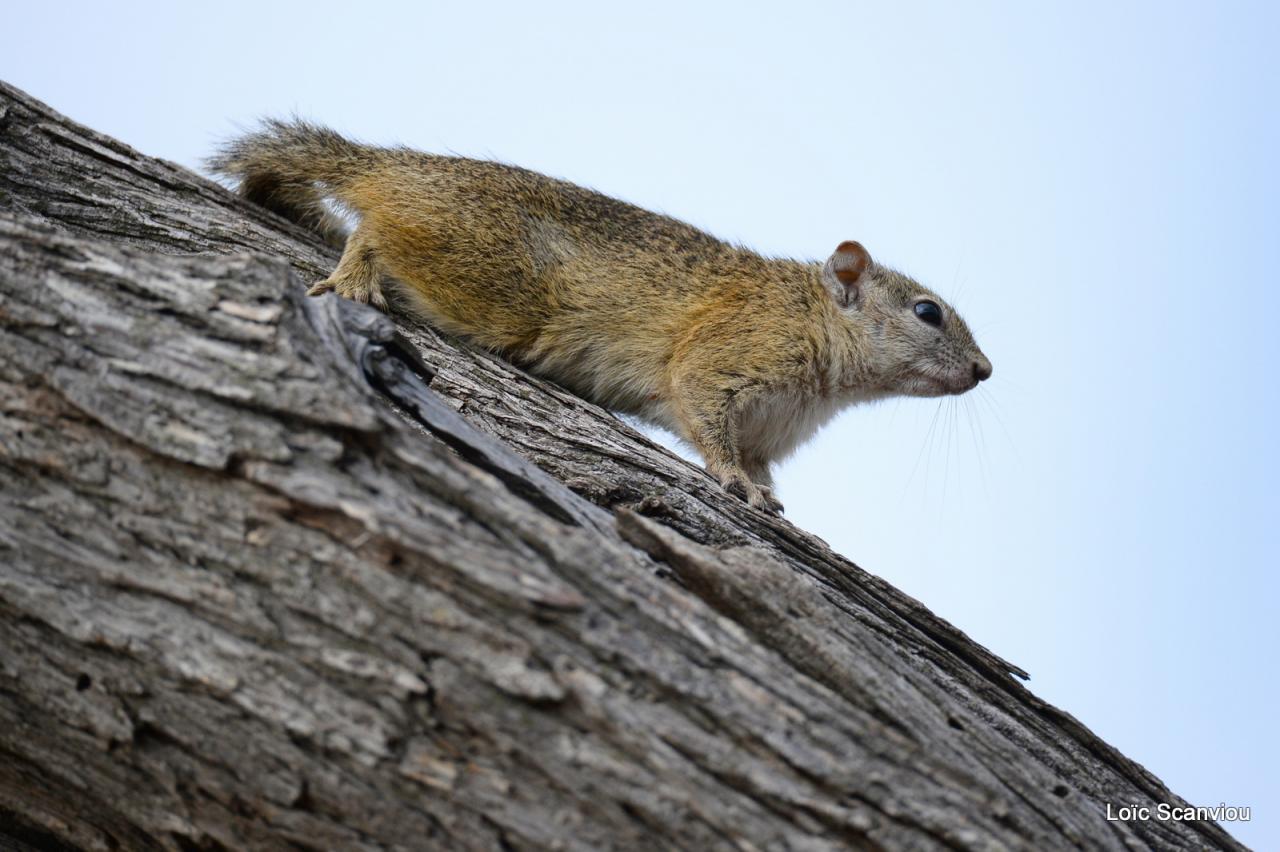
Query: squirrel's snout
x,y
981,369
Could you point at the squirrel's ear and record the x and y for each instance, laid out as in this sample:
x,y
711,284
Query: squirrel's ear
x,y
844,271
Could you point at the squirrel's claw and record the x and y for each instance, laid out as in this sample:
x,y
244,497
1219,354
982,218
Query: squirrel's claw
x,y
768,503
758,496
366,293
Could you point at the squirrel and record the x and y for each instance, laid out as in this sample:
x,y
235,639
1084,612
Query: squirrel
x,y
742,356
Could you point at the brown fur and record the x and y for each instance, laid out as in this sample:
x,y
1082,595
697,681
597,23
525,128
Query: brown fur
x,y
741,355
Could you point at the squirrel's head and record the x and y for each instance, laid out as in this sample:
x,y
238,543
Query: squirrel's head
x,y
918,344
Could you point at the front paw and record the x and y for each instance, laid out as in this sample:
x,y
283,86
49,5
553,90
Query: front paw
x,y
768,503
758,496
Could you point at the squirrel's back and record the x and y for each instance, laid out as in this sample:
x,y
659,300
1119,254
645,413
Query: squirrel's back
x,y
292,166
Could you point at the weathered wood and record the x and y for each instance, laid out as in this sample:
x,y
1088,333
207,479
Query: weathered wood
x,y
275,573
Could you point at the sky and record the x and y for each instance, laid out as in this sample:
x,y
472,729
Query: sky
x,y
1093,185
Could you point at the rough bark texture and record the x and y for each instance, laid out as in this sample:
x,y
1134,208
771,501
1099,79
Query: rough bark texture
x,y
277,574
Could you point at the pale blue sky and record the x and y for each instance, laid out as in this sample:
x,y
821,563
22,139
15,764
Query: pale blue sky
x,y
1094,184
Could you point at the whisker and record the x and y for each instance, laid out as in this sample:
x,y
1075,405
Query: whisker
x,y
936,445
957,283
953,425
928,441
893,415
994,408
978,450
1010,384
946,455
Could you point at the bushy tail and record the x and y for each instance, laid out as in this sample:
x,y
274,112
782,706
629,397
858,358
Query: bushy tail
x,y
290,167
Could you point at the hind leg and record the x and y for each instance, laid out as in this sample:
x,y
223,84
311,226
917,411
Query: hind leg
x,y
359,274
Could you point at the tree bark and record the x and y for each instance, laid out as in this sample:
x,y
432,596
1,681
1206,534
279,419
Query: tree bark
x,y
278,572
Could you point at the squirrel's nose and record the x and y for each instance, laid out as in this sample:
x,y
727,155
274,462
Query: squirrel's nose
x,y
981,369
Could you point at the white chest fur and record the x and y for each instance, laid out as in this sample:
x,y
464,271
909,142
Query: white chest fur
x,y
777,423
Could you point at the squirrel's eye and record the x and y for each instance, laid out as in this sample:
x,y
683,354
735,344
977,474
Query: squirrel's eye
x,y
930,313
